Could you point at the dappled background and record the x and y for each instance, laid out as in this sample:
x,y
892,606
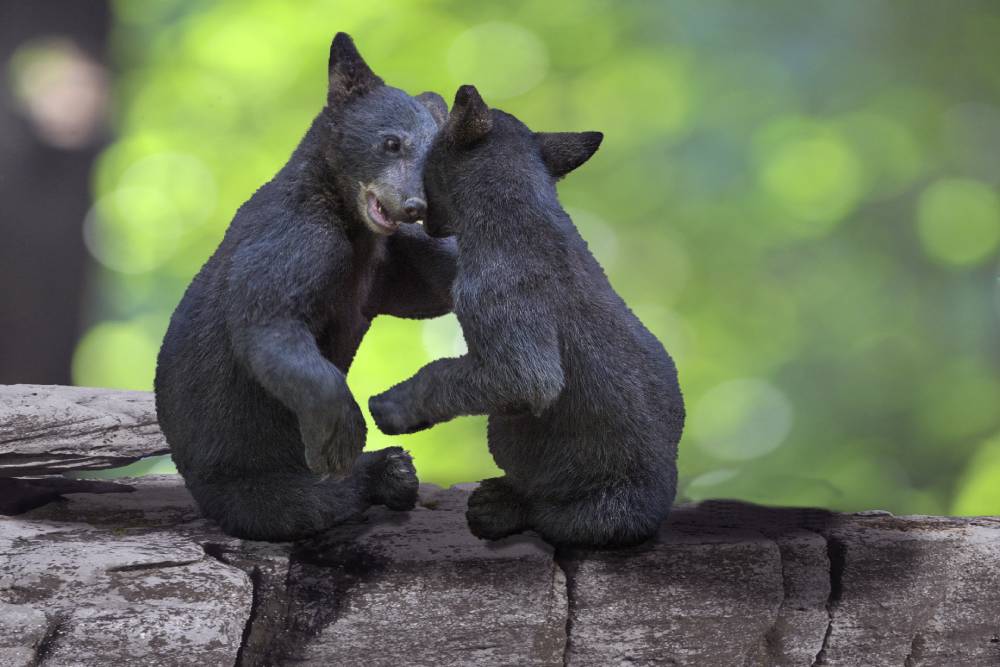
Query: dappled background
x,y
799,199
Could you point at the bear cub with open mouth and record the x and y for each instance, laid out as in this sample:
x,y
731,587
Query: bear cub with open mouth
x,y
251,391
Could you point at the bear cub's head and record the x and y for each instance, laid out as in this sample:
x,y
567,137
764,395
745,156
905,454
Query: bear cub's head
x,y
486,158
379,137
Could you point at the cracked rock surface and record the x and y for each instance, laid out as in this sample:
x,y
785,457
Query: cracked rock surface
x,y
92,582
127,572
140,578
728,583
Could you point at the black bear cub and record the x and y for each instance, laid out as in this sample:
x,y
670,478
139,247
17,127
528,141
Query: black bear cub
x,y
250,380
584,407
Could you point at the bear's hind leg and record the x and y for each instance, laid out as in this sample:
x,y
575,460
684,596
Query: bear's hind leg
x,y
277,507
495,510
285,506
612,517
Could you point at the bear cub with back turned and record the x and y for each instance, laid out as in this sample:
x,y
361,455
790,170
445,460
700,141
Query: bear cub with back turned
x,y
250,380
585,411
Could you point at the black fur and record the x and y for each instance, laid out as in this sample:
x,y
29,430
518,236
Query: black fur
x,y
250,382
585,409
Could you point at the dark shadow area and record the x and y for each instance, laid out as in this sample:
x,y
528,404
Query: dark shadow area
x,y
293,603
731,522
722,520
728,516
22,495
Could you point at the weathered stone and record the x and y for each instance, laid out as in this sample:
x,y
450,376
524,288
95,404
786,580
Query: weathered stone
x,y
156,502
855,590
23,630
419,582
914,591
48,429
141,578
798,633
150,598
699,594
419,589
435,498
965,628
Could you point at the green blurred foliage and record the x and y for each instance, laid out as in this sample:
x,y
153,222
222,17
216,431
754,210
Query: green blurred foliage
x,y
799,199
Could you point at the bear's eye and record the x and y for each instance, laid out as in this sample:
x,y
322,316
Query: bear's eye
x,y
391,144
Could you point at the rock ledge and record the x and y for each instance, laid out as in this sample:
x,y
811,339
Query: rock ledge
x,y
136,576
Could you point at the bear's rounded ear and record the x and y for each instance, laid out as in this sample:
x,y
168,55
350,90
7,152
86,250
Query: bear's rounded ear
x,y
563,152
470,118
349,74
436,105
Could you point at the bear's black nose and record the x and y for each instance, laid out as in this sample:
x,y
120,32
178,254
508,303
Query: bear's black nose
x,y
414,207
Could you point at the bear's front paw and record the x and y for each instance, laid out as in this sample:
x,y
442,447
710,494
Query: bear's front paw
x,y
396,484
495,511
393,417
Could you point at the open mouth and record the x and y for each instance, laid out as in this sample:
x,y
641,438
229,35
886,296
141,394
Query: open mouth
x,y
378,218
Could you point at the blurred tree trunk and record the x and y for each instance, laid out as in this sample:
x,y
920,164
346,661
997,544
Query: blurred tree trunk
x,y
44,197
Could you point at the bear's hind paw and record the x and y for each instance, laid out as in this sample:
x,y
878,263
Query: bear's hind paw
x,y
495,511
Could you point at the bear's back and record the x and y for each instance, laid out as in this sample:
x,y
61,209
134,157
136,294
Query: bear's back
x,y
604,339
212,413
620,414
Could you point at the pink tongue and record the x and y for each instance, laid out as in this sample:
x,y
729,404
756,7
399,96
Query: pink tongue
x,y
382,216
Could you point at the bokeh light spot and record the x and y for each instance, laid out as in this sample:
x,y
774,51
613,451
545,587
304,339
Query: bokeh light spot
x,y
131,230
636,99
233,44
816,179
891,158
63,91
182,179
119,355
958,221
501,59
741,419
